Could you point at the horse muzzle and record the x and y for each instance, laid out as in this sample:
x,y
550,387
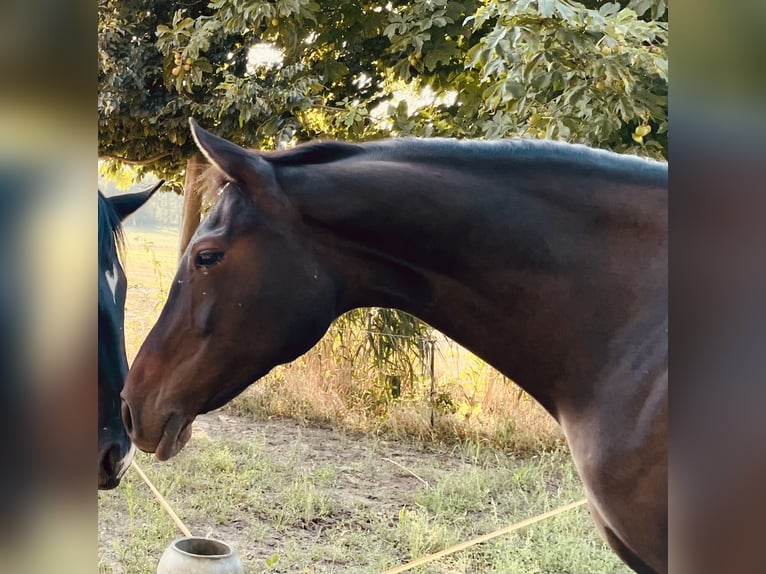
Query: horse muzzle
x,y
167,439
113,462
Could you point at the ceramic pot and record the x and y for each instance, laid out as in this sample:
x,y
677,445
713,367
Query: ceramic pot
x,y
192,555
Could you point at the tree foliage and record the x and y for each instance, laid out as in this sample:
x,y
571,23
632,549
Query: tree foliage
x,y
594,73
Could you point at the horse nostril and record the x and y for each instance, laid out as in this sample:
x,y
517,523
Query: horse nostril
x,y
127,419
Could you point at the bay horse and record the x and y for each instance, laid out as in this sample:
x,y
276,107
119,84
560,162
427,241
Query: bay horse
x,y
547,260
115,451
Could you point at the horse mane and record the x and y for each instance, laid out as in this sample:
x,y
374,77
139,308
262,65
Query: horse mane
x,y
110,233
321,151
577,156
445,149
517,148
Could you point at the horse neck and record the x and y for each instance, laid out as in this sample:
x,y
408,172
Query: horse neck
x,y
536,273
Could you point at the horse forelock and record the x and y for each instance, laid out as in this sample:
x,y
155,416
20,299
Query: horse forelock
x,y
213,183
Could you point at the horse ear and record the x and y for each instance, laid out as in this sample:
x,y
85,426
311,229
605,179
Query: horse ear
x,y
235,162
126,204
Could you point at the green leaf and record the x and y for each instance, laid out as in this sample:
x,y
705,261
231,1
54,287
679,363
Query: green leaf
x,y
576,95
185,23
204,65
513,88
546,7
566,11
272,560
661,64
530,66
391,30
609,9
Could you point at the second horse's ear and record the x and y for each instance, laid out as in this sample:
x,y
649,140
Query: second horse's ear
x,y
126,204
238,164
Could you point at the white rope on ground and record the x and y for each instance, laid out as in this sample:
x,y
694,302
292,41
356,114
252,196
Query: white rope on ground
x,y
463,545
404,468
162,501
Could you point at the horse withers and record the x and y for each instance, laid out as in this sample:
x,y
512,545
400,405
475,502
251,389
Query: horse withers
x,y
115,450
547,260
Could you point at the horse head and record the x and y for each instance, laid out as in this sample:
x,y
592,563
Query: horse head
x,y
248,288
115,450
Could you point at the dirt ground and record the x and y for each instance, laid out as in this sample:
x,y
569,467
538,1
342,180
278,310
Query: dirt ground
x,y
375,473
369,472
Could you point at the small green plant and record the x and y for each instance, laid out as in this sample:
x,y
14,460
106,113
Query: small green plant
x,y
422,533
301,502
272,561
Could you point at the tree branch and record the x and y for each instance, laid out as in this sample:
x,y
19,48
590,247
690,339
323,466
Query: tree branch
x,y
328,108
136,161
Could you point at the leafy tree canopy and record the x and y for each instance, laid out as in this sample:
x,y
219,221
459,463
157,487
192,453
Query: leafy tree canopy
x,y
593,72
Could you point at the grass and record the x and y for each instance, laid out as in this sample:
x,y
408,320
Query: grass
x,y
308,500
497,416
309,472
150,262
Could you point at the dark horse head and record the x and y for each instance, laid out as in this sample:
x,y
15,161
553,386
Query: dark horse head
x,y
221,285
115,450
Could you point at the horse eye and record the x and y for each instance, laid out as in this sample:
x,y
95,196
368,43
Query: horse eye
x,y
208,258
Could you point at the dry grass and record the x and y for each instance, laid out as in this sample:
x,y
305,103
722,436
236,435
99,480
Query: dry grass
x,y
150,261
295,499
473,405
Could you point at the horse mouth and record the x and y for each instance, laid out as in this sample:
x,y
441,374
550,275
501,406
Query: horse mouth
x,y
113,464
175,435
108,483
